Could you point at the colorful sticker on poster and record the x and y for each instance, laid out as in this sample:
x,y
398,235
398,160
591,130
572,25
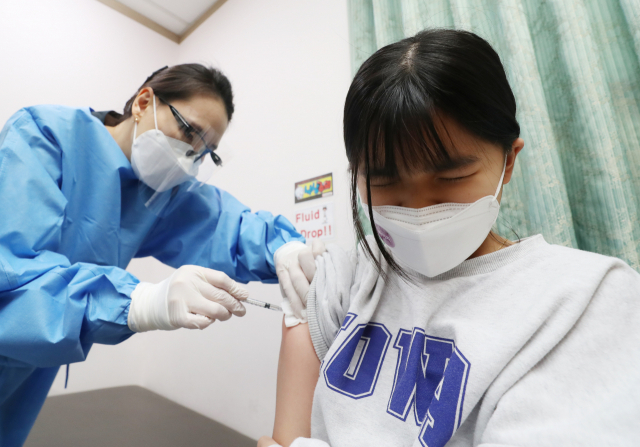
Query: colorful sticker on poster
x,y
316,222
314,188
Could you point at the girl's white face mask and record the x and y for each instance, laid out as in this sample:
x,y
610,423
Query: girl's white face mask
x,y
160,161
435,239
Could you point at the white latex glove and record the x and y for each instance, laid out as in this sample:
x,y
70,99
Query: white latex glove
x,y
295,267
193,297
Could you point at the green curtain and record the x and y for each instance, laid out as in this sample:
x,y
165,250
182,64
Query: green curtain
x,y
574,66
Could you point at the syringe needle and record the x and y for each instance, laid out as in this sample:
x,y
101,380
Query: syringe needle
x,y
264,304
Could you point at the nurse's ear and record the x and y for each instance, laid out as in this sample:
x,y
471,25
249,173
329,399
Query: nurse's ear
x,y
141,104
516,147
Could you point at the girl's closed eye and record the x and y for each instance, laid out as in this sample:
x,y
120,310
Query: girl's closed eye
x,y
383,183
454,179
457,177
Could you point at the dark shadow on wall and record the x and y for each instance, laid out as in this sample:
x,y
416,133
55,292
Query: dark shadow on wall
x,y
127,416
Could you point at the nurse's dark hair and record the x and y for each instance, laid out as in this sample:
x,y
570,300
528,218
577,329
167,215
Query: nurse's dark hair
x,y
184,82
393,106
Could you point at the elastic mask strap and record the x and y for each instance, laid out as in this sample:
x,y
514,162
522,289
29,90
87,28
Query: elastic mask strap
x,y
504,167
365,207
155,118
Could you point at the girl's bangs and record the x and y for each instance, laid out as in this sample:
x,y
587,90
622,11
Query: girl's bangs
x,y
399,135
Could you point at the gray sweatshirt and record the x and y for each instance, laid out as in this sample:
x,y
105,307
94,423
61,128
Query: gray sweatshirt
x,y
533,345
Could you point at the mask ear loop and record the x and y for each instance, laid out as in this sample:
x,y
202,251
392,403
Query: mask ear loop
x,y
360,201
155,118
504,168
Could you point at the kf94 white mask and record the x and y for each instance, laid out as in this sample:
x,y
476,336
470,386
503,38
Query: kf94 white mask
x,y
160,161
435,239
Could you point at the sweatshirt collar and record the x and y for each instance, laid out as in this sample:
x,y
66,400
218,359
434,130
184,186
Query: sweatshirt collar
x,y
493,261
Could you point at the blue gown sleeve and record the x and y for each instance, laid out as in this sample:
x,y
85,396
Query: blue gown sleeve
x,y
51,310
209,227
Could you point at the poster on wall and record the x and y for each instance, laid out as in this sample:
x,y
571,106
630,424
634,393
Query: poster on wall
x,y
316,222
314,188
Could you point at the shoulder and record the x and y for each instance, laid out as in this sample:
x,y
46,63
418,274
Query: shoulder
x,y
337,265
49,120
584,263
56,117
54,113
342,274
351,264
571,274
534,254
329,295
39,135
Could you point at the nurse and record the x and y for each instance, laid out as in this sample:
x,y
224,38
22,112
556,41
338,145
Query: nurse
x,y
82,193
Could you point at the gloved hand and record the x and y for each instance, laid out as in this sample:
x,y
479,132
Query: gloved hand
x,y
295,267
192,297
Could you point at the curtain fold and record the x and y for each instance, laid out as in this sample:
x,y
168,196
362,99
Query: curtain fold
x,y
574,67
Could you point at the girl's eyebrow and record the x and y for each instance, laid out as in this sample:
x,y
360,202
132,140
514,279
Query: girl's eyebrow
x,y
381,172
455,163
448,165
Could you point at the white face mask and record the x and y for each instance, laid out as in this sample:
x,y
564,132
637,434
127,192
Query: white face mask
x,y
160,161
435,239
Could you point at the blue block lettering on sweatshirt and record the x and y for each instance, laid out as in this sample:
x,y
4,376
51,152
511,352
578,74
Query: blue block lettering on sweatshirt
x,y
354,368
445,412
348,319
421,363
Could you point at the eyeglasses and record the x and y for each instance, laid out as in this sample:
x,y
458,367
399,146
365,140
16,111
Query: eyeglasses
x,y
189,131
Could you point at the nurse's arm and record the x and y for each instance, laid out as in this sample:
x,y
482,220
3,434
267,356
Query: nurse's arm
x,y
298,371
51,309
209,227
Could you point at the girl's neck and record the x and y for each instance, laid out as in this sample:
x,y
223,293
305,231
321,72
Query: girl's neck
x,y
491,244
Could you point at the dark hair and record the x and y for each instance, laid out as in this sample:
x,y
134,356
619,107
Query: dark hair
x,y
185,81
392,108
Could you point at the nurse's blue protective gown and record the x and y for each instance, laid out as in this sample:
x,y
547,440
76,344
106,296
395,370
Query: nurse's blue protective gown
x,y
72,216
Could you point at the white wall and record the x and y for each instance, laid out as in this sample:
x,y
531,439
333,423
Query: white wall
x,y
79,53
74,52
288,61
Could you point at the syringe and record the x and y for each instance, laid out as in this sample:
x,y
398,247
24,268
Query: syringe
x,y
263,304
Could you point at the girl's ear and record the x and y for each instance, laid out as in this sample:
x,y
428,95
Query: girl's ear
x,y
516,147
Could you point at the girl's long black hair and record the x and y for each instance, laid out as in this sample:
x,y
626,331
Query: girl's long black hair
x,y
392,107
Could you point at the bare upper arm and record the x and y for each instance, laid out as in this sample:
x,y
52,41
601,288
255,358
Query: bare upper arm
x,y
298,370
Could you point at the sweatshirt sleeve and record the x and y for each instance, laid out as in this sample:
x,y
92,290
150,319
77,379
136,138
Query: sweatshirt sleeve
x,y
51,310
209,227
585,391
329,296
